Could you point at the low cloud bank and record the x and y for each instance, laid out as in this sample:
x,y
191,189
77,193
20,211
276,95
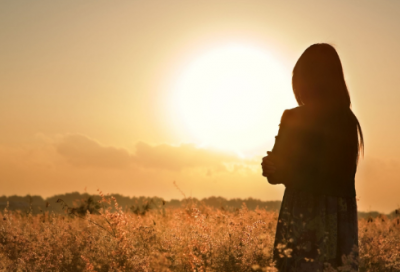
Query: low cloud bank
x,y
82,151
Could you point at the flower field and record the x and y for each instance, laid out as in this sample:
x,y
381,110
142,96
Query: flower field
x,y
192,238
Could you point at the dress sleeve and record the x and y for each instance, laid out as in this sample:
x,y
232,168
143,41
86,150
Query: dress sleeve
x,y
283,150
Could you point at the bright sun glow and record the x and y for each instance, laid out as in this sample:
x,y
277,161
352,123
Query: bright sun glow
x,y
233,97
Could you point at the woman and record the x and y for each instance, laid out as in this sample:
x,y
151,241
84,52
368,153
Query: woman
x,y
315,156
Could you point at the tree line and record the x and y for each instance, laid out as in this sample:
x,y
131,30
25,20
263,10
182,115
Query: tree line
x,y
36,204
83,202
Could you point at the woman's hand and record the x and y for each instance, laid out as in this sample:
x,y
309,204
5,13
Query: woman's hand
x,y
268,166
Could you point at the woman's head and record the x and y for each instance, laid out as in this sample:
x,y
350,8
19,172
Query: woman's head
x,y
318,77
318,80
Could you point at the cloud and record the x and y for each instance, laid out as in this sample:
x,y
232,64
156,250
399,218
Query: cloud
x,y
180,157
81,151
65,163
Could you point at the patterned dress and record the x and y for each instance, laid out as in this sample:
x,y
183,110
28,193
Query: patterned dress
x,y
315,231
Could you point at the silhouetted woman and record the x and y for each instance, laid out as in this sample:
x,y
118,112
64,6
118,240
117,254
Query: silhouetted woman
x,y
315,156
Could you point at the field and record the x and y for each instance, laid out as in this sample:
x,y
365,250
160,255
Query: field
x,y
195,237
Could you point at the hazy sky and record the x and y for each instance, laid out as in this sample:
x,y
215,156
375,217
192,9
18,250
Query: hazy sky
x,y
88,93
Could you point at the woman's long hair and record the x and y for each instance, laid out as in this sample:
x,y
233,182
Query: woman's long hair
x,y
318,80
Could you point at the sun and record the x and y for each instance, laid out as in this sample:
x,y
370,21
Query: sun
x,y
232,97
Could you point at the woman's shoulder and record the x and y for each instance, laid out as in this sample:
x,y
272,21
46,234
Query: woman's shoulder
x,y
320,118
310,112
295,116
299,110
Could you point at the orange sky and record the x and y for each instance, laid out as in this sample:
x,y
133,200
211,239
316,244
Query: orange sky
x,y
86,87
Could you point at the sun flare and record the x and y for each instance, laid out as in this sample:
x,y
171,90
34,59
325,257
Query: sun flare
x,y
232,97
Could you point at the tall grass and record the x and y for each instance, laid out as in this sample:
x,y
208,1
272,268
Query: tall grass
x,y
192,238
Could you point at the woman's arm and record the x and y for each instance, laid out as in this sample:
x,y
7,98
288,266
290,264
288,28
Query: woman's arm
x,y
280,158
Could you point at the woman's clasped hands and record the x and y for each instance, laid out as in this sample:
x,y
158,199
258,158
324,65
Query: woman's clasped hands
x,y
267,164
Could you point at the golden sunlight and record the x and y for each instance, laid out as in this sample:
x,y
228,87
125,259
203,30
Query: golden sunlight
x,y
232,97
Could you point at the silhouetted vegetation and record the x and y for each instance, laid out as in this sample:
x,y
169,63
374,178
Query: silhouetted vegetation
x,y
88,205
80,203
